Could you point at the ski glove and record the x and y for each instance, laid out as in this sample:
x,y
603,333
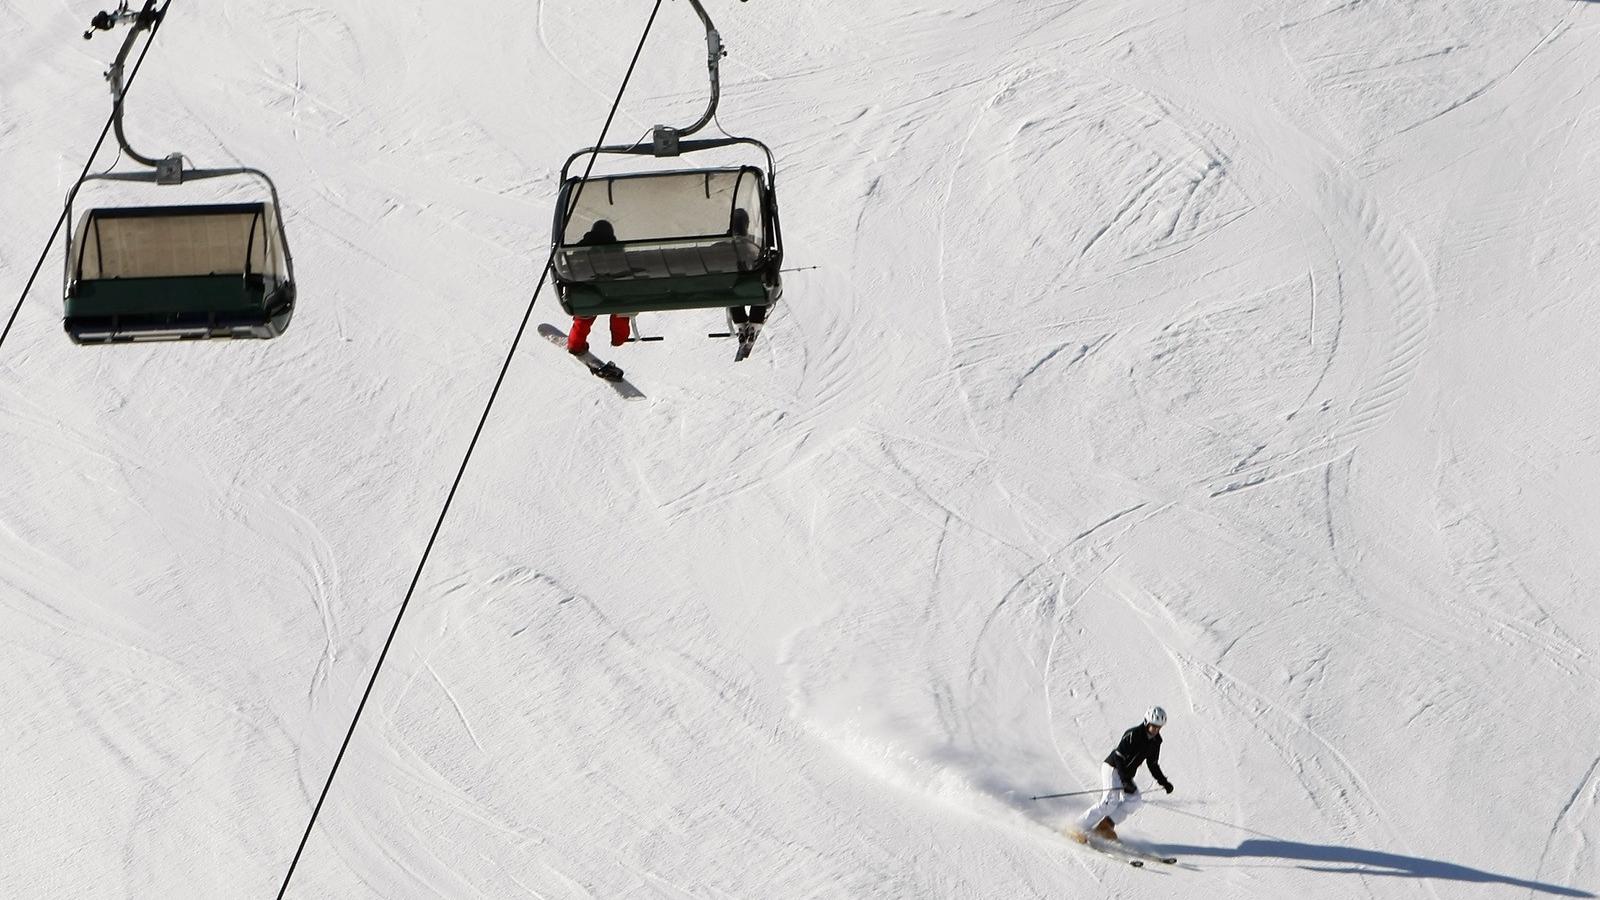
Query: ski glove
x,y
1166,786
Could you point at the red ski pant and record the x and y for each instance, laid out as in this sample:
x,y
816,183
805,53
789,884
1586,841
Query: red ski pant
x,y
579,336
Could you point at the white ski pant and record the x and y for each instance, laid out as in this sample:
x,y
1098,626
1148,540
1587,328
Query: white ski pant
x,y
1114,804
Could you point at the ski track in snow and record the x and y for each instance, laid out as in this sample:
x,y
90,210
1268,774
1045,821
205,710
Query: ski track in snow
x,y
1580,807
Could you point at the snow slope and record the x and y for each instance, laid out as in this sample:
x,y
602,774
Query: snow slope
x,y
1233,356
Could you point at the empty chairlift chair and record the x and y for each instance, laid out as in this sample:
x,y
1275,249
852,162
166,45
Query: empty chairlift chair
x,y
177,272
149,273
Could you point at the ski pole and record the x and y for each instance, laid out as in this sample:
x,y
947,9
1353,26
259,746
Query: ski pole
x,y
1068,794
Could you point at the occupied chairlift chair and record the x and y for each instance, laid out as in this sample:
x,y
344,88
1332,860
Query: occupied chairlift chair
x,y
152,273
681,240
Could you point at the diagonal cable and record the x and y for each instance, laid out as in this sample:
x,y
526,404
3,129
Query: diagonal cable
x,y
115,109
415,578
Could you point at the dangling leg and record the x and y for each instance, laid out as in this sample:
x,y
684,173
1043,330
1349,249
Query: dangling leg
x,y
578,337
621,328
745,329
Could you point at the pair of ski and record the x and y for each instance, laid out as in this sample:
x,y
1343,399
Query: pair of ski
x,y
746,332
1118,850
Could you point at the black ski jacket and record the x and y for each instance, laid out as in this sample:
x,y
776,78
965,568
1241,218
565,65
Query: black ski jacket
x,y
1137,746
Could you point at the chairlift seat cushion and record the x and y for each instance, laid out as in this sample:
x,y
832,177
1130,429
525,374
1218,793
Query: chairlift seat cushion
x,y
221,294
626,297
111,309
603,262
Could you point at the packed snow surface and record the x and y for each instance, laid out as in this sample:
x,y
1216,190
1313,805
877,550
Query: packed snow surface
x,y
1234,356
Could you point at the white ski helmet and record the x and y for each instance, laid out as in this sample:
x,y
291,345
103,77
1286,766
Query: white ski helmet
x,y
1155,715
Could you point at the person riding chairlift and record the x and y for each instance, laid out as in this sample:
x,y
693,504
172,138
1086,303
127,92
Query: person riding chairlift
x,y
601,232
739,227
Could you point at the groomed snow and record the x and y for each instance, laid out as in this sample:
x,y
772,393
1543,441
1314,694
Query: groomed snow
x,y
1239,357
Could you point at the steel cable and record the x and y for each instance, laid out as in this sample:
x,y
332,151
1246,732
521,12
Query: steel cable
x,y
115,109
482,421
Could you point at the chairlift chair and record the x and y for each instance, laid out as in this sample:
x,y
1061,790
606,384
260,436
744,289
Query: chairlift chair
x,y
178,272
154,273
677,243
694,238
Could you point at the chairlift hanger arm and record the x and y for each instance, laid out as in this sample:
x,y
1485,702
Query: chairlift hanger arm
x,y
714,55
148,17
105,21
668,141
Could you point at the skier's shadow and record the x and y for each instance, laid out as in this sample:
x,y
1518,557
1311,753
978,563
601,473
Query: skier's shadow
x,y
1336,859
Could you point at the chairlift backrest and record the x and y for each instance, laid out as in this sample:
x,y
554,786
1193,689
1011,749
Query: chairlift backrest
x,y
177,241
658,206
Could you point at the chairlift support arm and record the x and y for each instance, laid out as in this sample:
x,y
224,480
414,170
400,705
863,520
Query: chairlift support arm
x,y
714,55
666,140
171,168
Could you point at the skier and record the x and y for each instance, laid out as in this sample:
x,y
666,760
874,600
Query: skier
x,y
602,232
1139,744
